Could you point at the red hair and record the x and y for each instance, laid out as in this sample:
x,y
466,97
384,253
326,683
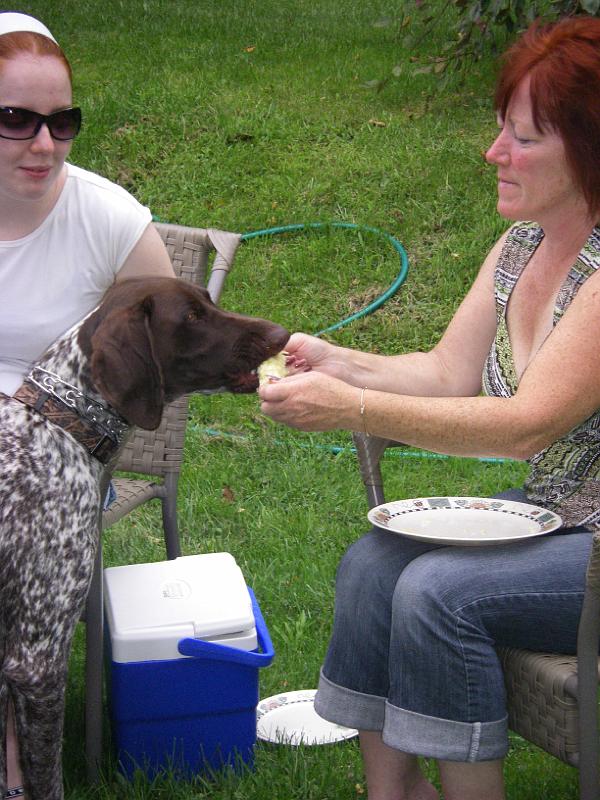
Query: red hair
x,y
12,44
562,60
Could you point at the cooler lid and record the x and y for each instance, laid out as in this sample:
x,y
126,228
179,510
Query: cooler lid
x,y
203,596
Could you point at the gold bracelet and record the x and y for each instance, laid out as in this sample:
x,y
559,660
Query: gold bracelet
x,y
363,410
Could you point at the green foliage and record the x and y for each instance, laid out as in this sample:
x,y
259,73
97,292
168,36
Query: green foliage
x,y
461,32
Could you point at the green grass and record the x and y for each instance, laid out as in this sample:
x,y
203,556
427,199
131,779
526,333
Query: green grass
x,y
243,116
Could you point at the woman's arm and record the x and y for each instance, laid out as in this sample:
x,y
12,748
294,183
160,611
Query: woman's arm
x,y
453,367
559,389
148,257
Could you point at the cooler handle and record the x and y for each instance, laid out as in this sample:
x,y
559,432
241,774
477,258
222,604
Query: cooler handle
x,y
198,648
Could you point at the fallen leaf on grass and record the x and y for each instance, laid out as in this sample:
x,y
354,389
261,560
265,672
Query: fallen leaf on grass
x,y
377,84
240,137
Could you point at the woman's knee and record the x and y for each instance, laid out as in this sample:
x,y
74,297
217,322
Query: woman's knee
x,y
433,585
358,560
368,571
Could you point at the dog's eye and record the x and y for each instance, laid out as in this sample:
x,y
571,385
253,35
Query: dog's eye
x,y
193,315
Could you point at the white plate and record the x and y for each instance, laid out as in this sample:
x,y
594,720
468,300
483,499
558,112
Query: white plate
x,y
290,718
464,520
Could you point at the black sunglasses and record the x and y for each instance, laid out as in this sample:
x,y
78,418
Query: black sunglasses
x,y
21,123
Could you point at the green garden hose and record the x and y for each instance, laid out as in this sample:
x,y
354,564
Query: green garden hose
x,y
379,301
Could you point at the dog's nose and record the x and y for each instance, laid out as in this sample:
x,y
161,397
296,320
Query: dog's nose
x,y
278,336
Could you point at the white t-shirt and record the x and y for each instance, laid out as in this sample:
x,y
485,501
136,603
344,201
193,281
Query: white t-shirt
x,y
53,277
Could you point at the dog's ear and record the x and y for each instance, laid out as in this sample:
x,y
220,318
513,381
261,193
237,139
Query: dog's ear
x,y
123,366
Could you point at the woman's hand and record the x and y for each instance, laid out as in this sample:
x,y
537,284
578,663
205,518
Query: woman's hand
x,y
311,401
311,353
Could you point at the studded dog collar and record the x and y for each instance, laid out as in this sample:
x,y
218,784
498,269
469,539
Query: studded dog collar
x,y
99,429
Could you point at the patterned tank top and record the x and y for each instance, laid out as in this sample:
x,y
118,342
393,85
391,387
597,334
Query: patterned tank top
x,y
565,477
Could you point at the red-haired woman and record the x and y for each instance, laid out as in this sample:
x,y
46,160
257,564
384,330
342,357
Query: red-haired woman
x,y
65,236
411,662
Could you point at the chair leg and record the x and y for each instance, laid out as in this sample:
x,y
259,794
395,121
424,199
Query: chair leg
x,y
169,514
93,672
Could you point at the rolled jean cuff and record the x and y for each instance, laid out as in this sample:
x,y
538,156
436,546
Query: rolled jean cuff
x,y
444,739
347,707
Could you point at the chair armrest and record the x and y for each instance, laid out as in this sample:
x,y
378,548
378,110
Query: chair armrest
x,y
189,250
585,687
226,245
369,450
593,569
588,632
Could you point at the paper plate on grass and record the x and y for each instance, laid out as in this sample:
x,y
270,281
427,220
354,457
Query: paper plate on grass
x,y
290,718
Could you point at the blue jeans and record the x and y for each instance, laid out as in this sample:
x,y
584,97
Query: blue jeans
x,y
111,496
412,653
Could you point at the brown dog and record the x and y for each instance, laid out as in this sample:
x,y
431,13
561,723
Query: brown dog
x,y
150,341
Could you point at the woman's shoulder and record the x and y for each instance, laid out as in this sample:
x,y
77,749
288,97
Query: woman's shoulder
x,y
93,188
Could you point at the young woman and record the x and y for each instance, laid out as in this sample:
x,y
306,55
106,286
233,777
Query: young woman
x,y
411,662
65,236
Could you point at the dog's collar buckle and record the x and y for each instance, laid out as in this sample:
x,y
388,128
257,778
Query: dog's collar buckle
x,y
104,448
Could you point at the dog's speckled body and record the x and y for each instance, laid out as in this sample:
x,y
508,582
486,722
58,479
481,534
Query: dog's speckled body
x,y
149,342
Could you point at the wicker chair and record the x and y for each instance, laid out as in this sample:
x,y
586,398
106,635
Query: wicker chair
x,y
552,699
155,457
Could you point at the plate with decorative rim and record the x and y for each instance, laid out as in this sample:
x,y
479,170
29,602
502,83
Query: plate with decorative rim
x,y
464,520
290,718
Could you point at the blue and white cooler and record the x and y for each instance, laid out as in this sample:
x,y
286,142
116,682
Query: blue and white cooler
x,y
185,641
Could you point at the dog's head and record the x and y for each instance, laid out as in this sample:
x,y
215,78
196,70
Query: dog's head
x,y
154,339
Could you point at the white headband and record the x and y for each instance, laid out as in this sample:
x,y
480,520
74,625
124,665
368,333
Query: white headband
x,y
13,22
